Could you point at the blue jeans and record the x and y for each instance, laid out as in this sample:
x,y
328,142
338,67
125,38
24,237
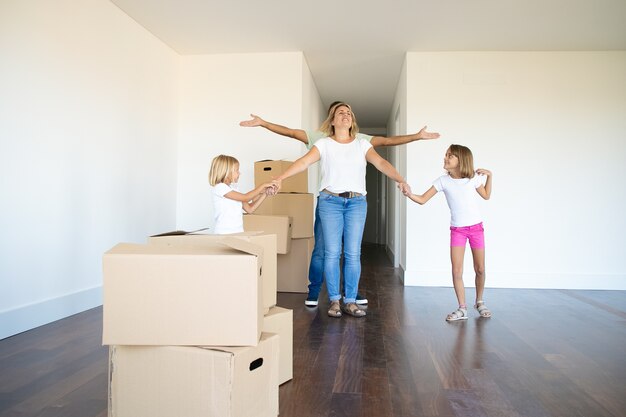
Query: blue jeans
x,y
316,268
342,221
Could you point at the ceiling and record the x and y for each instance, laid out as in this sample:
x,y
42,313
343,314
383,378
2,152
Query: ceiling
x,y
355,48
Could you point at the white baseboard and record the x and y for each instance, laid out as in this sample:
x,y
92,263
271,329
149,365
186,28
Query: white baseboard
x,y
28,317
520,280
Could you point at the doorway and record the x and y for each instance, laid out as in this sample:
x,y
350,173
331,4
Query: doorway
x,y
375,224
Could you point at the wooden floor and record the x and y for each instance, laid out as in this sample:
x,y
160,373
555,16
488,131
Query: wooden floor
x,y
544,353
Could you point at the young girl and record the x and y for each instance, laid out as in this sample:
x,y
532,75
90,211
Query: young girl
x,y
228,202
466,222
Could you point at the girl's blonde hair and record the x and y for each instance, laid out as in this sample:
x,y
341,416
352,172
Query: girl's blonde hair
x,y
222,168
466,160
327,127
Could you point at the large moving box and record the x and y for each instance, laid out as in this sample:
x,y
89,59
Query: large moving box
x,y
172,381
280,321
170,295
281,226
300,207
266,241
293,268
266,171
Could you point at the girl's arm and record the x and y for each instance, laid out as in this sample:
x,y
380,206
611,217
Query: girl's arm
x,y
245,198
254,204
299,165
401,140
420,199
383,165
485,190
298,134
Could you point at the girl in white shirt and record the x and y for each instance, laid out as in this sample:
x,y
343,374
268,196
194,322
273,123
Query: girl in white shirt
x,y
227,201
460,187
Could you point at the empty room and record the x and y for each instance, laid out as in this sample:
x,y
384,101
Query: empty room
x,y
232,208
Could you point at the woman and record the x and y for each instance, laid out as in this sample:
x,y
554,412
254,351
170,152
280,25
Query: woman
x,y
342,204
316,268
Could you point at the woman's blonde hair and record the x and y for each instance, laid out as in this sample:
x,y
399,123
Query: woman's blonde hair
x,y
327,127
222,168
466,160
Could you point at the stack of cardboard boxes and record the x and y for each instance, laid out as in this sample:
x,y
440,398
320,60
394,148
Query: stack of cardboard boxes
x,y
295,202
193,326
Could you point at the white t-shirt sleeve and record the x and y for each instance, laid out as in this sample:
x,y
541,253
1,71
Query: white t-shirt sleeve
x,y
221,189
438,184
321,147
363,136
313,136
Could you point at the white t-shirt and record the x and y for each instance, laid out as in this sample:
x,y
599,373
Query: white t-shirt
x,y
343,165
315,135
462,198
228,214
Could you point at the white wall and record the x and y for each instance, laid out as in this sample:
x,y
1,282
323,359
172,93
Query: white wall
x,y
396,155
394,217
87,158
550,125
313,114
217,92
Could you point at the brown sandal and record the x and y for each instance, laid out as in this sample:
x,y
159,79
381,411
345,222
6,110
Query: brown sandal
x,y
353,310
334,310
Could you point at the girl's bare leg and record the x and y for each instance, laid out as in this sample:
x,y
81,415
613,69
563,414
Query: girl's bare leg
x,y
479,269
456,256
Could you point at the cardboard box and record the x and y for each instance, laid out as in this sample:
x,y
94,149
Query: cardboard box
x,y
266,241
266,171
280,321
300,207
167,381
276,225
170,295
293,268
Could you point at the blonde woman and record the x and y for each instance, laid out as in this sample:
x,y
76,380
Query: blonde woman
x,y
229,203
308,137
342,203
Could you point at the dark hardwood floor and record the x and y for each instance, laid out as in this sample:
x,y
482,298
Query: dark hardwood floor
x,y
543,353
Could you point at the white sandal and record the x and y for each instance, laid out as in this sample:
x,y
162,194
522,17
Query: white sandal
x,y
458,314
482,309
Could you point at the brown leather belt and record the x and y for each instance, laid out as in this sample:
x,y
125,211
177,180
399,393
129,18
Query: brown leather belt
x,y
345,194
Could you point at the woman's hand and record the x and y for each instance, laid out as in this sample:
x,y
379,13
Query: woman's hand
x,y
273,188
405,188
254,122
423,134
481,171
267,188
